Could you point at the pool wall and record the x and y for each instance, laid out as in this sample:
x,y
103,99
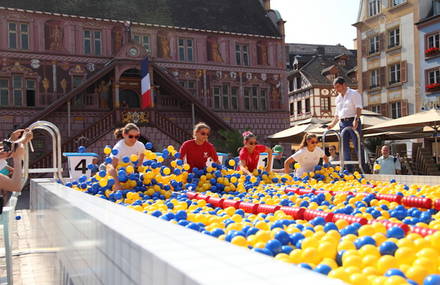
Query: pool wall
x,y
93,241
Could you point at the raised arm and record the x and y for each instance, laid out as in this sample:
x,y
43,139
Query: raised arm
x,y
287,164
269,160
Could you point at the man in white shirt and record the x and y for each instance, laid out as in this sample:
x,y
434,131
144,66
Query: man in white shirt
x,y
348,113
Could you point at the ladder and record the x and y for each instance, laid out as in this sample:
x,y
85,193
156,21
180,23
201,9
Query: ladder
x,y
340,137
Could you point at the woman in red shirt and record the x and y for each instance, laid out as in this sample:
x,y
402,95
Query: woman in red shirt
x,y
250,154
197,151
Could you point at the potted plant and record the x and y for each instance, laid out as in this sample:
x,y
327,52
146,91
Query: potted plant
x,y
432,52
433,87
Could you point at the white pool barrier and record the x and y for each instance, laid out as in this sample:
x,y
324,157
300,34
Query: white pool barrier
x,y
98,242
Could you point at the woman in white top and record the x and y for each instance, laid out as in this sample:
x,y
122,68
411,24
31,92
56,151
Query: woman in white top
x,y
127,145
307,156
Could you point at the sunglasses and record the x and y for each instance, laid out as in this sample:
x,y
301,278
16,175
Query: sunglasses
x,y
253,143
313,142
204,134
135,137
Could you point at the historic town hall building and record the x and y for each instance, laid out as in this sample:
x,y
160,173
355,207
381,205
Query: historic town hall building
x,y
76,63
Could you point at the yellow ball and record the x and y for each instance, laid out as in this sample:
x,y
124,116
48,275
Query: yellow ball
x,y
240,241
133,158
107,150
231,162
297,165
417,273
166,171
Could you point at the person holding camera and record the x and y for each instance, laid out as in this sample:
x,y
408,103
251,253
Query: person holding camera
x,y
14,148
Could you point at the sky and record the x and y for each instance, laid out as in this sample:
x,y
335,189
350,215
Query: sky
x,y
319,21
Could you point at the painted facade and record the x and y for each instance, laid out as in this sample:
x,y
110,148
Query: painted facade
x,y
239,78
429,55
388,58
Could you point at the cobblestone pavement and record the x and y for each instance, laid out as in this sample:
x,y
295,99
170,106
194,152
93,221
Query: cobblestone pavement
x,y
29,266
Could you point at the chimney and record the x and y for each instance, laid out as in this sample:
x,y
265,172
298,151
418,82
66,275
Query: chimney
x,y
266,5
281,27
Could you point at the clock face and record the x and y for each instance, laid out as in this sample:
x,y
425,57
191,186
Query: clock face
x,y
324,92
133,51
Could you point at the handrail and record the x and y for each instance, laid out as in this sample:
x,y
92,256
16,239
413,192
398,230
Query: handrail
x,y
55,105
359,150
56,151
94,132
169,127
341,145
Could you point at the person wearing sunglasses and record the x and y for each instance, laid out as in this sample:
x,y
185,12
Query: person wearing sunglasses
x,y
334,156
127,145
250,154
197,151
307,156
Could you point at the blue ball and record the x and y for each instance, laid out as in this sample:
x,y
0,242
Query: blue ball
x,y
125,159
395,232
323,269
286,249
283,237
263,251
388,248
433,279
149,145
360,242
393,272
102,173
81,149
330,226
115,151
274,246
305,266
108,160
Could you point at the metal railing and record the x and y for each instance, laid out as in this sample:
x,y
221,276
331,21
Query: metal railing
x,y
57,168
340,137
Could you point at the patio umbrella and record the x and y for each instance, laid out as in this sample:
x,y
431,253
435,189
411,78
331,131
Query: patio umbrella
x,y
413,122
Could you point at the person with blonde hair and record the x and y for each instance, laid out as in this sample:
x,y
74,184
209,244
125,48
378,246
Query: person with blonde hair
x,y
250,154
127,146
307,156
197,151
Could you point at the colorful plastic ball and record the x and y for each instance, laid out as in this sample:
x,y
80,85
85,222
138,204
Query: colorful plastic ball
x,y
133,158
81,149
433,279
107,150
231,162
395,232
395,272
323,269
274,246
388,248
149,146
115,151
125,159
102,173
360,242
108,160
166,171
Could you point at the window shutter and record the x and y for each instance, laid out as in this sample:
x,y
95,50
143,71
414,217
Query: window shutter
x,y
383,76
365,81
403,71
382,42
364,47
384,109
404,110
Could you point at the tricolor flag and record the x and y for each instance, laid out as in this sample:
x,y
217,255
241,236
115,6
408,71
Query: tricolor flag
x,y
147,96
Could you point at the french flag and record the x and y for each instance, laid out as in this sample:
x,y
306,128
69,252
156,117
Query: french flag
x,y
147,98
